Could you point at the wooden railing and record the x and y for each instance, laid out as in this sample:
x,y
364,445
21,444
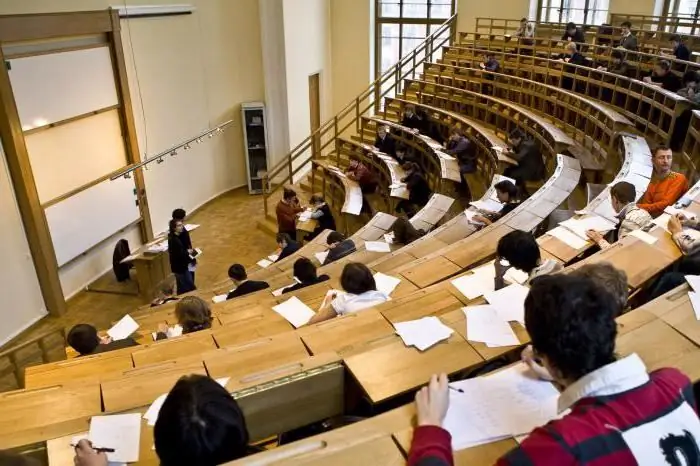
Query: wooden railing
x,y
322,141
671,24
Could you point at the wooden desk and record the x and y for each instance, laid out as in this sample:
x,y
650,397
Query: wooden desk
x,y
86,369
173,348
559,249
427,302
393,368
676,310
428,270
251,329
478,247
347,334
141,386
151,269
35,415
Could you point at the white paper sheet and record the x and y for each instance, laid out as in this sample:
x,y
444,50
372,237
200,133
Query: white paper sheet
x,y
386,283
509,302
567,237
296,312
470,214
223,381
377,246
273,257
321,256
489,205
423,333
695,301
590,222
219,298
389,238
671,210
278,291
481,281
158,247
486,326
662,221
123,329
644,236
122,432
264,263
693,281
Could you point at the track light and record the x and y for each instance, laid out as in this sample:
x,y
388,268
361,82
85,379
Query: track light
x,y
173,154
160,160
187,147
127,176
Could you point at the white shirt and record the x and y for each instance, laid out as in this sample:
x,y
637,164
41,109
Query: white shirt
x,y
347,303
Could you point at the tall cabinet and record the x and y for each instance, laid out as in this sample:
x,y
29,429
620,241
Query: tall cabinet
x,y
255,140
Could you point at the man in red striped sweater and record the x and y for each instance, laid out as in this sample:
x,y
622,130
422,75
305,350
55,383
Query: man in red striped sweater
x,y
620,414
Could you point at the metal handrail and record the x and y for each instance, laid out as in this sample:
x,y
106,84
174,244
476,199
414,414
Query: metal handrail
x,y
368,100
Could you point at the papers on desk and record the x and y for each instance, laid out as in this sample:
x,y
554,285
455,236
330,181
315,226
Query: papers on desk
x,y
273,257
509,302
514,275
296,312
377,246
158,247
644,236
305,216
423,333
470,214
671,210
385,283
397,185
693,281
489,205
662,221
264,263
321,256
122,432
486,326
123,329
172,332
481,281
695,301
590,222
220,298
389,237
508,403
567,237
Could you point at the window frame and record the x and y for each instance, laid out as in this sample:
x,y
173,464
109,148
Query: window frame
x,y
428,21
589,10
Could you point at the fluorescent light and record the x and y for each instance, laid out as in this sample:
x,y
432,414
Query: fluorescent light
x,y
153,10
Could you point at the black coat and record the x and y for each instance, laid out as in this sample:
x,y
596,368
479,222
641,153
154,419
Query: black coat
x,y
179,257
247,287
530,163
340,250
299,286
326,221
386,145
290,249
418,189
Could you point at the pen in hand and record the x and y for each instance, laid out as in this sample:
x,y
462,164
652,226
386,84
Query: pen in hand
x,y
97,449
459,390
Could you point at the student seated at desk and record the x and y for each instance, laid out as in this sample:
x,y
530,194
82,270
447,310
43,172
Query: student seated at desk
x,y
410,119
573,34
418,190
360,293
385,142
286,211
618,65
322,214
680,50
358,171
287,246
166,292
521,251
464,151
690,89
687,237
507,194
193,314
629,215
573,56
84,339
338,247
665,186
199,424
530,164
620,413
404,231
664,77
305,272
239,277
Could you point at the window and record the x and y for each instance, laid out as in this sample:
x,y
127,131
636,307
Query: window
x,y
686,9
576,11
403,24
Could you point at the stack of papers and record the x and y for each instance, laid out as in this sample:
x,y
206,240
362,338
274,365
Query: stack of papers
x,y
264,263
377,246
423,333
278,291
489,205
123,329
305,216
321,256
509,302
592,222
486,326
506,404
481,281
296,312
151,415
385,283
567,237
158,247
121,432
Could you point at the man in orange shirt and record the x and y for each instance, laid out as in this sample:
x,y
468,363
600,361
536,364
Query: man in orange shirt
x,y
665,186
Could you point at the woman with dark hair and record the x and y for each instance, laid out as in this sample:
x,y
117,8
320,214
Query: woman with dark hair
x,y
306,274
360,293
418,190
507,194
192,313
180,258
199,424
405,232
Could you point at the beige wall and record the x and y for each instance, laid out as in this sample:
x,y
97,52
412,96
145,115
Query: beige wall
x,y
469,10
193,71
633,7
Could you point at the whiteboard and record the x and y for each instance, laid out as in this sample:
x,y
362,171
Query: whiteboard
x,y
55,87
83,220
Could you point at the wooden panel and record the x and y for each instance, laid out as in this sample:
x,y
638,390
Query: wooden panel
x,y
251,329
424,272
478,248
140,386
432,302
84,369
186,345
24,417
42,26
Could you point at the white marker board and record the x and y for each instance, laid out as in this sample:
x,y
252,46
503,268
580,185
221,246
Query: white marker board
x,y
83,220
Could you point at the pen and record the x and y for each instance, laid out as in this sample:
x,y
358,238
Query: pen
x,y
98,450
459,390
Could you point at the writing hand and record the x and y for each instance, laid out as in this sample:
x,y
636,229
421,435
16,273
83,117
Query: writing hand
x,y
85,455
432,401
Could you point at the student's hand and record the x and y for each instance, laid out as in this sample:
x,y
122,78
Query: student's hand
x,y
163,328
647,79
674,224
528,357
432,402
594,236
484,220
85,455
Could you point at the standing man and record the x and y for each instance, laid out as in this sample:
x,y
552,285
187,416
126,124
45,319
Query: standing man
x,y
179,216
179,258
573,34
286,211
628,40
665,186
464,151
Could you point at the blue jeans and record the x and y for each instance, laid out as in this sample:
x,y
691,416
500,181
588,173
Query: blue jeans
x,y
185,282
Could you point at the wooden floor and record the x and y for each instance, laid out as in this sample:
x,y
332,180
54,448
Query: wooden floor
x,y
228,234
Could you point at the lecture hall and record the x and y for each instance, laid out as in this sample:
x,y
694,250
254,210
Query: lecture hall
x,y
350,232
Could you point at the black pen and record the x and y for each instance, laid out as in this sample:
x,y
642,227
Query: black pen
x,y
98,450
459,390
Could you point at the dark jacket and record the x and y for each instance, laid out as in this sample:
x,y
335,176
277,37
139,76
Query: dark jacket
x,y
121,252
682,52
340,250
299,286
530,163
325,221
115,345
179,257
621,69
577,59
247,287
578,36
386,145
413,122
290,249
629,42
669,81
465,152
418,189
